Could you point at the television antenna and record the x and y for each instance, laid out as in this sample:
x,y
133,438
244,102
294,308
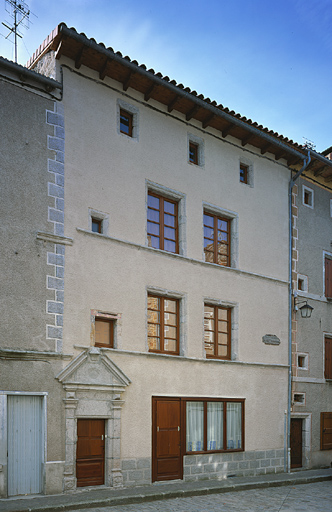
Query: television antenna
x,y
19,11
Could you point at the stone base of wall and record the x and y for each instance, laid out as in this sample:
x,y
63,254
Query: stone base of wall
x,y
222,465
136,472
216,466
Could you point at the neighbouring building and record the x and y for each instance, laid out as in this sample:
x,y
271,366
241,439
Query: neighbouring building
x,y
311,416
154,225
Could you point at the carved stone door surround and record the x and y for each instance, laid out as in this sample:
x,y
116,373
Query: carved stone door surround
x,y
93,385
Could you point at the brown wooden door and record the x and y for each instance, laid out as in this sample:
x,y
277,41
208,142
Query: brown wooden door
x,y
90,458
296,442
166,439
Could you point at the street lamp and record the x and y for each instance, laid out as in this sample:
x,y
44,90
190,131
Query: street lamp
x,y
305,310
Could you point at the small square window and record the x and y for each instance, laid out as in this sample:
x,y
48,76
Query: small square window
x,y
302,361
96,225
307,196
126,122
302,283
98,221
193,153
244,169
299,398
104,332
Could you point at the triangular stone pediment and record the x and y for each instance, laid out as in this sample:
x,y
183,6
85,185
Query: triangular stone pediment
x,y
93,368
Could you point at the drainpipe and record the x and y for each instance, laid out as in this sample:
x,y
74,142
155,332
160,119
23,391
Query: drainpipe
x,y
290,303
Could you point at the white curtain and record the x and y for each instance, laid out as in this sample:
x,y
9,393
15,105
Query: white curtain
x,y
234,427
215,425
195,425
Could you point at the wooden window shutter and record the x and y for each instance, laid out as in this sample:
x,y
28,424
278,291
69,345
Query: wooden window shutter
x,y
328,278
328,358
326,430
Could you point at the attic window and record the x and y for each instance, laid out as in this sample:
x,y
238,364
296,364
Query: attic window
x,y
244,169
193,153
126,123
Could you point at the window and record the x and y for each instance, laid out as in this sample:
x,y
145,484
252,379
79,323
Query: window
x,y
126,122
98,221
307,196
328,278
193,153
104,329
163,324
244,170
328,358
299,398
302,283
96,225
217,239
195,149
217,331
104,332
214,425
127,119
326,430
162,229
302,361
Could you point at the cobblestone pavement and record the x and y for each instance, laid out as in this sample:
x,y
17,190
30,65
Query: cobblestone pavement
x,y
315,497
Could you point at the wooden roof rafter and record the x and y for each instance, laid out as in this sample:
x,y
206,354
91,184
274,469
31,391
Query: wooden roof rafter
x,y
105,68
192,112
208,120
247,139
150,91
172,104
79,57
226,131
126,83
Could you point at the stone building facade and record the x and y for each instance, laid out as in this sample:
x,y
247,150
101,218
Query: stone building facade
x,y
161,222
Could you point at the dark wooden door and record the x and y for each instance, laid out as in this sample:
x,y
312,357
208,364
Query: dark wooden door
x,y
166,439
296,442
90,453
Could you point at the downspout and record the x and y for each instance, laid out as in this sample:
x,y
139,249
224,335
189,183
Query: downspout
x,y
290,303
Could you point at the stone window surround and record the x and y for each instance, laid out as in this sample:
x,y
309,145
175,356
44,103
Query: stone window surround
x,y
305,356
117,327
182,298
311,192
234,328
250,172
234,218
199,142
181,201
304,279
104,217
302,401
131,109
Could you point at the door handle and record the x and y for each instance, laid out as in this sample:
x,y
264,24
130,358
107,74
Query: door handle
x,y
102,438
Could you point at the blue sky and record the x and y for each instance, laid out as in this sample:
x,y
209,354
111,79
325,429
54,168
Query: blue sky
x,y
268,60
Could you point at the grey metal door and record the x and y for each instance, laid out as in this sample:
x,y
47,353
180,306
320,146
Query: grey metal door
x,y
25,444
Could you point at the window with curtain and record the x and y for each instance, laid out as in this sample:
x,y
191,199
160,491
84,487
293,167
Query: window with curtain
x,y
214,425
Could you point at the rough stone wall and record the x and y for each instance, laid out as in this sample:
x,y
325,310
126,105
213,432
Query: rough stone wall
x,y
46,65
